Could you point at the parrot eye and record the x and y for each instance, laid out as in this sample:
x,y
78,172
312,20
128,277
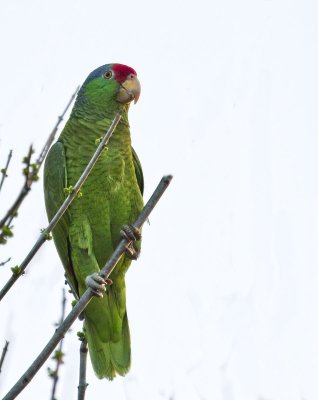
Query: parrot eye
x,y
108,74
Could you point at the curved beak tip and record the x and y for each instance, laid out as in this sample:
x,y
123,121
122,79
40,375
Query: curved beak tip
x,y
136,96
129,90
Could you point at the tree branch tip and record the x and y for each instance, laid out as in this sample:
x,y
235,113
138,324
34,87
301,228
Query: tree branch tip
x,y
167,178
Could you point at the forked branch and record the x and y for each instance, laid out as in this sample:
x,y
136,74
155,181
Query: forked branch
x,y
30,172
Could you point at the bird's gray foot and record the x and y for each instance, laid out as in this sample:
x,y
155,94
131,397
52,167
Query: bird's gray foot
x,y
131,234
97,284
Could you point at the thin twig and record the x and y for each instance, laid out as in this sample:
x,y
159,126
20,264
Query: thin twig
x,y
50,139
5,169
87,295
82,385
29,177
58,355
4,352
33,169
5,262
18,271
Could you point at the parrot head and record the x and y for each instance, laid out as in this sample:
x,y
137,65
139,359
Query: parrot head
x,y
110,86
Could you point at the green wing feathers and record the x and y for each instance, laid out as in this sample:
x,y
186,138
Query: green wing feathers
x,y
55,180
138,171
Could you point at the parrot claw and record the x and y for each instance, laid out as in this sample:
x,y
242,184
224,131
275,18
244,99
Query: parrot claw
x,y
97,284
130,233
108,281
131,252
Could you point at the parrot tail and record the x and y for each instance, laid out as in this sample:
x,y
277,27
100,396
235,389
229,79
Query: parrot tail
x,y
108,356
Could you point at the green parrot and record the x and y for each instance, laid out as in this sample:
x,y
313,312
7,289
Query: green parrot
x,y
91,228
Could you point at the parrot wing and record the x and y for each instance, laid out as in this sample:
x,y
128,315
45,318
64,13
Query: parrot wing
x,y
55,180
138,171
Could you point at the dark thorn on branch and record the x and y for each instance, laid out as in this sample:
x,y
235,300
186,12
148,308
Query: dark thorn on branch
x,y
5,169
30,171
58,355
86,297
82,385
4,352
5,262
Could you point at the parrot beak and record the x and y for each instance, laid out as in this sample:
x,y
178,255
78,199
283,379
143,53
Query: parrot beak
x,y
129,90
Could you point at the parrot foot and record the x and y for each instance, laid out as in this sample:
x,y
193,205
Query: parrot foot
x,y
97,284
131,234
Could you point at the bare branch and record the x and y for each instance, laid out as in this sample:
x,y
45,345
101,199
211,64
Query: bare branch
x,y
5,169
58,355
19,270
82,385
31,170
87,295
4,352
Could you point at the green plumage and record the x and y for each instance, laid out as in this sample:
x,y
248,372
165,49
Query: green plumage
x,y
89,231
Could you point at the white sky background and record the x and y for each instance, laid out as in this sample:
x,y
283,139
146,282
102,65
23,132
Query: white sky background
x,y
223,300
